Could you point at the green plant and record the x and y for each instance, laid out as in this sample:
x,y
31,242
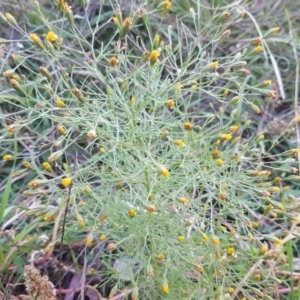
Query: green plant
x,y
149,143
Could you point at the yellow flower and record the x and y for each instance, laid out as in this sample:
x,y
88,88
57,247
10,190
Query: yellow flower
x,y
60,103
132,213
61,129
8,157
258,49
230,251
111,246
233,128
263,250
89,240
52,37
180,238
257,41
219,162
153,57
179,143
231,290
66,182
166,288
183,200
166,6
102,237
214,65
226,137
47,166
162,170
48,218
205,238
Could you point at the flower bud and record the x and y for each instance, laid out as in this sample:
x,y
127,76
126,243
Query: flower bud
x,y
68,13
45,73
36,40
11,19
272,31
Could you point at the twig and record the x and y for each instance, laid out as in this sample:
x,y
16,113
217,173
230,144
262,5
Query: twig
x,y
62,238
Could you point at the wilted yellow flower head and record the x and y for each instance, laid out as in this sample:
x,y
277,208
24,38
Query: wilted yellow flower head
x,y
188,126
170,103
216,153
111,246
160,257
113,61
92,134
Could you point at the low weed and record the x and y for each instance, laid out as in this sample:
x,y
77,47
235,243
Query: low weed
x,y
140,141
